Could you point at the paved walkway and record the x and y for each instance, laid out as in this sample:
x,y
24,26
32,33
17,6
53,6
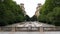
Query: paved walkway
x,y
30,32
31,24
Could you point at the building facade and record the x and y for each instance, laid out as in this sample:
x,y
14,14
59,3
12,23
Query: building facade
x,y
23,8
38,10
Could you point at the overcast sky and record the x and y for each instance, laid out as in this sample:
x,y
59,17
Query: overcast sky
x,y
30,5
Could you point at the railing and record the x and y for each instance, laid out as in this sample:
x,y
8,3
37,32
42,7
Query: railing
x,y
27,29
51,28
17,29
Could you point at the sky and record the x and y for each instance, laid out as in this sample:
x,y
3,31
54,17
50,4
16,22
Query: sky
x,y
30,5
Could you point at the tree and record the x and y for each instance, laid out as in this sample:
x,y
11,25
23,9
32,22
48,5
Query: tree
x,y
34,18
54,17
49,12
10,12
27,18
49,6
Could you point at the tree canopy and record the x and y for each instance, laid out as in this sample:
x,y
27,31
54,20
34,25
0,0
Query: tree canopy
x,y
49,13
10,12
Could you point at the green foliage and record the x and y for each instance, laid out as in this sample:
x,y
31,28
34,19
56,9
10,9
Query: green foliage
x,y
54,17
34,18
27,18
50,12
49,6
10,12
42,18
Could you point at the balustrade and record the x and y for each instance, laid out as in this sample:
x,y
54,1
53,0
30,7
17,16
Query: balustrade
x,y
20,29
